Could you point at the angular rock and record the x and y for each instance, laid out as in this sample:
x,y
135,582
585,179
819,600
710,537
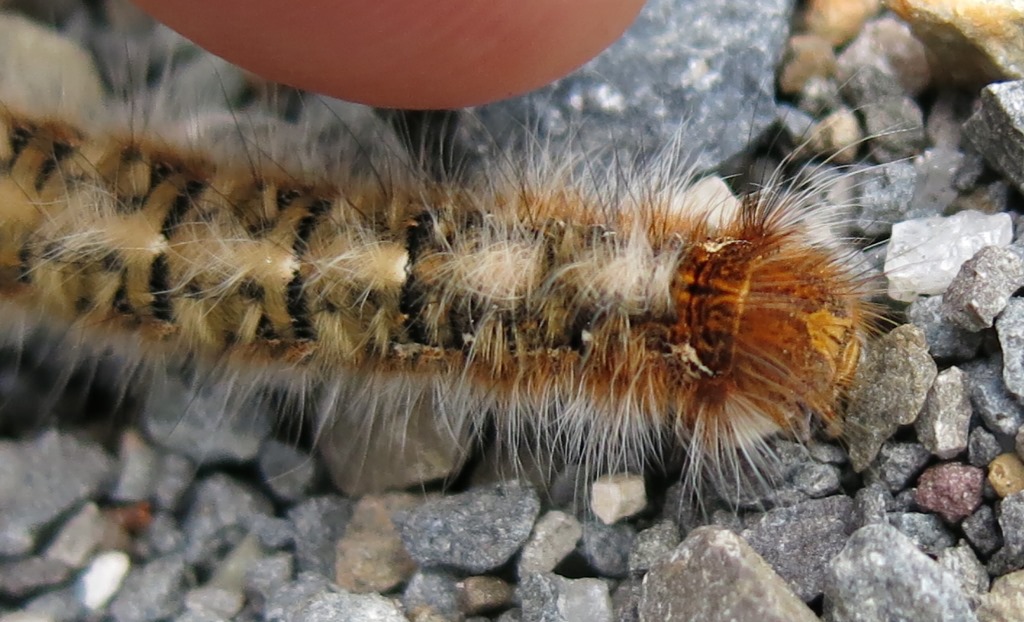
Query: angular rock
x,y
962,563
152,592
981,289
953,491
328,607
714,574
1005,600
547,597
651,545
944,423
371,556
982,531
925,530
554,536
432,594
1010,327
889,391
614,497
606,547
1000,411
475,531
479,595
319,524
996,130
945,339
1006,474
800,541
288,472
881,575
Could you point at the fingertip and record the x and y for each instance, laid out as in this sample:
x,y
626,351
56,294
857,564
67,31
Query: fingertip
x,y
396,53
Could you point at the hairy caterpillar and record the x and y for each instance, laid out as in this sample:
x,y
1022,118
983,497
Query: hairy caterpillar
x,y
608,323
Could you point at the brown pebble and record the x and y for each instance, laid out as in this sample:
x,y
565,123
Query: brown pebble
x,y
807,56
951,490
371,556
1006,474
839,21
483,594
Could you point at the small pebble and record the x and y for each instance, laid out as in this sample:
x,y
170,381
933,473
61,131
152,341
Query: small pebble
x,y
80,536
871,505
1000,411
945,339
546,596
952,490
882,575
475,531
265,576
175,475
961,562
1011,523
885,196
334,607
214,601
1000,115
714,574
615,497
153,591
889,391
221,514
925,254
288,472
1010,327
606,547
432,593
138,472
554,536
651,545
981,289
371,556
483,594
944,424
838,21
898,464
799,541
1006,474
926,531
102,578
1005,601
319,522
982,531
806,56
982,447
836,137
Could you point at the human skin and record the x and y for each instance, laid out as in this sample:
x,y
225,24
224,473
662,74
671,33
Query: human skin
x,y
412,54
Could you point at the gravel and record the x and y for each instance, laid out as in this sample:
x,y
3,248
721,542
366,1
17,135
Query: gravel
x,y
187,510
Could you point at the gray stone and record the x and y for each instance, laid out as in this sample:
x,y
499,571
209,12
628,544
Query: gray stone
x,y
174,477
996,130
925,530
342,607
138,469
432,592
962,563
164,536
43,478
80,536
881,575
475,531
319,524
799,541
885,196
288,472
982,447
1000,411
895,127
699,64
287,600
715,575
547,597
889,391
207,421
651,545
60,605
1010,327
273,532
944,423
152,592
214,601
980,291
1011,523
265,576
871,505
23,577
982,531
554,536
898,464
606,547
221,514
945,339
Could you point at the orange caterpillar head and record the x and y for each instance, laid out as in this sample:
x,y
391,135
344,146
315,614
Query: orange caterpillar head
x,y
773,321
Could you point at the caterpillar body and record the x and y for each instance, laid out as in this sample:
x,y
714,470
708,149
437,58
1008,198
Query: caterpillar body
x,y
606,322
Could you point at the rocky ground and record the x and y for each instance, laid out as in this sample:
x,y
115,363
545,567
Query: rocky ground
x,y
142,513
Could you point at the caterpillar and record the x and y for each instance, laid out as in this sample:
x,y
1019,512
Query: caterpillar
x,y
610,319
